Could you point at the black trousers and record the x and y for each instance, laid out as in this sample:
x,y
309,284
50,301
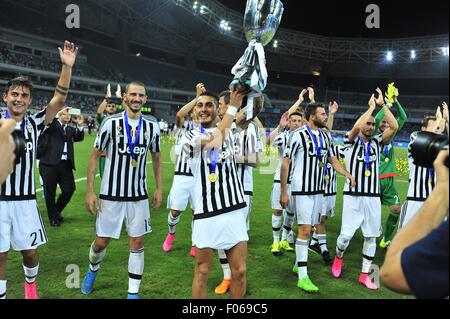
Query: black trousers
x,y
53,176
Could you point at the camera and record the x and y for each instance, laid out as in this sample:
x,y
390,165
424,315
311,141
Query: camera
x,y
19,142
426,147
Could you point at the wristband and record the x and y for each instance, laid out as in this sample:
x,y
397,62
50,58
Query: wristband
x,y
232,111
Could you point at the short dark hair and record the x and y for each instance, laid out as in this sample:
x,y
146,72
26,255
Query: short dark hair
x,y
226,95
20,81
295,114
427,120
137,83
311,109
211,94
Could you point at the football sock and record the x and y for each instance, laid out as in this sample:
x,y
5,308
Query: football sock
x,y
225,265
135,270
173,222
30,274
301,250
95,258
369,249
276,227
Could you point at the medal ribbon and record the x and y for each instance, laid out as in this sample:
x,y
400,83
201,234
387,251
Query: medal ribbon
x,y
386,151
212,153
318,148
431,175
366,153
131,143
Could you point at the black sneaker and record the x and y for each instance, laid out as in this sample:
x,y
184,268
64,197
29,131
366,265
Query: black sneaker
x,y
315,248
60,219
54,223
326,257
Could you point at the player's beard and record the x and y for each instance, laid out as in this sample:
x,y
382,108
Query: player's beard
x,y
320,124
368,134
133,110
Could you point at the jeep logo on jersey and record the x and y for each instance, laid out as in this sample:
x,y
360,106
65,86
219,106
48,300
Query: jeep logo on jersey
x,y
312,152
362,158
28,147
138,150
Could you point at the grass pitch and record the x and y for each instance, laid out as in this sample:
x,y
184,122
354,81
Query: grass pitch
x,y
170,275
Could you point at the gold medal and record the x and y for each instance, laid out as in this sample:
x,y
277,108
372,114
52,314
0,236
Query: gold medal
x,y
430,181
327,177
322,165
368,173
134,163
213,178
387,160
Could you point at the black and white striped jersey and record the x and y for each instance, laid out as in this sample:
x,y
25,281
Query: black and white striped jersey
x,y
355,161
421,180
121,181
307,174
280,142
180,133
20,185
248,143
331,181
227,193
183,151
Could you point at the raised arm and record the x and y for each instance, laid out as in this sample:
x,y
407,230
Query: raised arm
x,y
101,109
332,110
297,104
402,116
68,57
277,131
185,110
445,116
217,138
311,95
388,135
363,119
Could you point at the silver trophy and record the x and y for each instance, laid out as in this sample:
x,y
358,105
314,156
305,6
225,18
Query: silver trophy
x,y
261,21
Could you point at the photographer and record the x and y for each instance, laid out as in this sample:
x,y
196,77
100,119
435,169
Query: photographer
x,y
422,180
7,148
418,259
57,162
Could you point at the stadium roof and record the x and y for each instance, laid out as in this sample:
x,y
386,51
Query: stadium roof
x,y
347,18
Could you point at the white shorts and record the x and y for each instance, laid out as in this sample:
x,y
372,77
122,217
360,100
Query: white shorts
x,y
307,208
181,193
21,226
220,232
112,215
361,212
329,205
248,210
276,194
409,210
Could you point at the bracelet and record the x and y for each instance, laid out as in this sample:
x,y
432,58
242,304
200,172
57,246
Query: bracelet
x,y
232,111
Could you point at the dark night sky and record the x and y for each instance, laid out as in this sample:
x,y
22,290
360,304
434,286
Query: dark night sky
x,y
346,18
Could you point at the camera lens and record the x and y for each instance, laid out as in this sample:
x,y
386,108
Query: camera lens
x,y
19,141
426,147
